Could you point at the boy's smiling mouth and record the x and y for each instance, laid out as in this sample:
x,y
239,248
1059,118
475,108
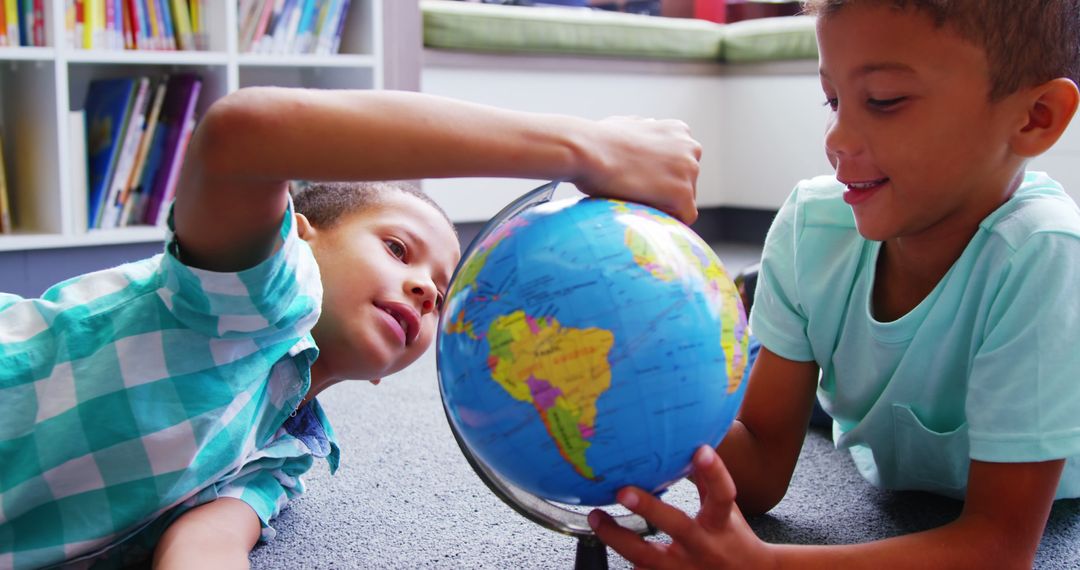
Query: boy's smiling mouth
x,y
403,320
858,192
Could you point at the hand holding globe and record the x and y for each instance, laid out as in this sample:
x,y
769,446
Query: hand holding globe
x,y
586,345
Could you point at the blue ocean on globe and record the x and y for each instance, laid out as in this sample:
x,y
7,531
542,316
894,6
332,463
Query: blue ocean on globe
x,y
589,344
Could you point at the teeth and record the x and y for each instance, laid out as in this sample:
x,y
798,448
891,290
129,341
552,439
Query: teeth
x,y
864,185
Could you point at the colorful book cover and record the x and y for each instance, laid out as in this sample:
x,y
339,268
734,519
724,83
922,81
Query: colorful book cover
x,y
181,94
108,104
5,201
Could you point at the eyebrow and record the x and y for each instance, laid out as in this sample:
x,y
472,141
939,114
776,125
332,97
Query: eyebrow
x,y
867,69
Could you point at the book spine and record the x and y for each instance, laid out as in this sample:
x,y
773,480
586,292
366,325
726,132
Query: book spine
x,y
180,111
266,44
3,26
260,28
11,11
327,29
134,197
39,23
335,47
167,25
25,15
182,22
174,172
79,182
303,29
110,215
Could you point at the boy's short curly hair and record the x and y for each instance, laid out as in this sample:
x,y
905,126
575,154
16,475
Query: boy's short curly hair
x,y
325,203
1026,43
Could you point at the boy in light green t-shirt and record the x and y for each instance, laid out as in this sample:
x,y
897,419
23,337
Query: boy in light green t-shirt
x,y
931,283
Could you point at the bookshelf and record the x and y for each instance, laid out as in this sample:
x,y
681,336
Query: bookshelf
x,y
40,86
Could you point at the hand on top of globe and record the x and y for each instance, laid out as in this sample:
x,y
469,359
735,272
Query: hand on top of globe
x,y
667,180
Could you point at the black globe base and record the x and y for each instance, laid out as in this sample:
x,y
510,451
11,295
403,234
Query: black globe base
x,y
591,554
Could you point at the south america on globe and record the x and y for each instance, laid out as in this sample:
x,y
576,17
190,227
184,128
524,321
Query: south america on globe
x,y
588,344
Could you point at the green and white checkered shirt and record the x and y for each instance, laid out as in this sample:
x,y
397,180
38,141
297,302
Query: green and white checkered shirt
x,y
130,395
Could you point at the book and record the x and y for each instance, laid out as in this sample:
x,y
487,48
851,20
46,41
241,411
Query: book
x,y
11,15
135,199
177,110
5,201
77,161
185,39
335,46
108,105
110,213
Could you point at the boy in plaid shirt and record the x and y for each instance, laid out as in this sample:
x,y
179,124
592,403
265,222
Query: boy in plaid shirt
x,y
168,406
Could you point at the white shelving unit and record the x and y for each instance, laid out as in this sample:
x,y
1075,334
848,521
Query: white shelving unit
x,y
40,86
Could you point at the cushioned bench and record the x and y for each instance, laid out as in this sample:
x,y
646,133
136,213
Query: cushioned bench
x,y
497,28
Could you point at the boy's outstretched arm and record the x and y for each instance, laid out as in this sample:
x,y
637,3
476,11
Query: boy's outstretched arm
x,y
218,534
762,446
232,189
1000,527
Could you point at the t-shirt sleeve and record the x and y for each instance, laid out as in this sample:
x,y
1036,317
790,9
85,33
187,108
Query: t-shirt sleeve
x,y
281,296
1023,402
778,318
267,486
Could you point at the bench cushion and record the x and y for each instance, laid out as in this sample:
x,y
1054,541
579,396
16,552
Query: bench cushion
x,y
494,27
472,26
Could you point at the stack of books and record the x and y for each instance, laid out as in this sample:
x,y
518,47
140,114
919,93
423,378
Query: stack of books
x,y
22,23
137,131
135,24
292,26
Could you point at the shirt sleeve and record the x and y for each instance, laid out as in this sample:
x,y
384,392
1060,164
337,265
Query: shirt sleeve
x,y
267,485
778,318
281,296
1024,394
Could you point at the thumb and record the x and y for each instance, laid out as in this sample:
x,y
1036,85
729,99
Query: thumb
x,y
715,488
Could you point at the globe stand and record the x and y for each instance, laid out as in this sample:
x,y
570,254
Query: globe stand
x,y
591,552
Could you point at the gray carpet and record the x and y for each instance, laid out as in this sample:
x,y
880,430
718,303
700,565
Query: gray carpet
x,y
404,497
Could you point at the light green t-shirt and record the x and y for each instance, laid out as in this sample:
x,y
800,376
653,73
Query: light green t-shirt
x,y
986,367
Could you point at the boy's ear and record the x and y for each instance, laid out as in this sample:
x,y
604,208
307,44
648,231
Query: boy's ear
x,y
1049,107
304,229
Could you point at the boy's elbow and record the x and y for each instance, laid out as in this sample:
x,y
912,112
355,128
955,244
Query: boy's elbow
x,y
232,126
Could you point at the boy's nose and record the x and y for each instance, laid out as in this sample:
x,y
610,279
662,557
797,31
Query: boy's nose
x,y
841,141
425,292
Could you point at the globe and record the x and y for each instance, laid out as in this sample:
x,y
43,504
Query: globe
x,y
588,344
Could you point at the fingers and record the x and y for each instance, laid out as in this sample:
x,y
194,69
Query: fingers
x,y
715,487
640,552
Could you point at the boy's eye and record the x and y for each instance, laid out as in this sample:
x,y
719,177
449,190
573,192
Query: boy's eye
x,y
397,249
885,104
439,300
832,103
